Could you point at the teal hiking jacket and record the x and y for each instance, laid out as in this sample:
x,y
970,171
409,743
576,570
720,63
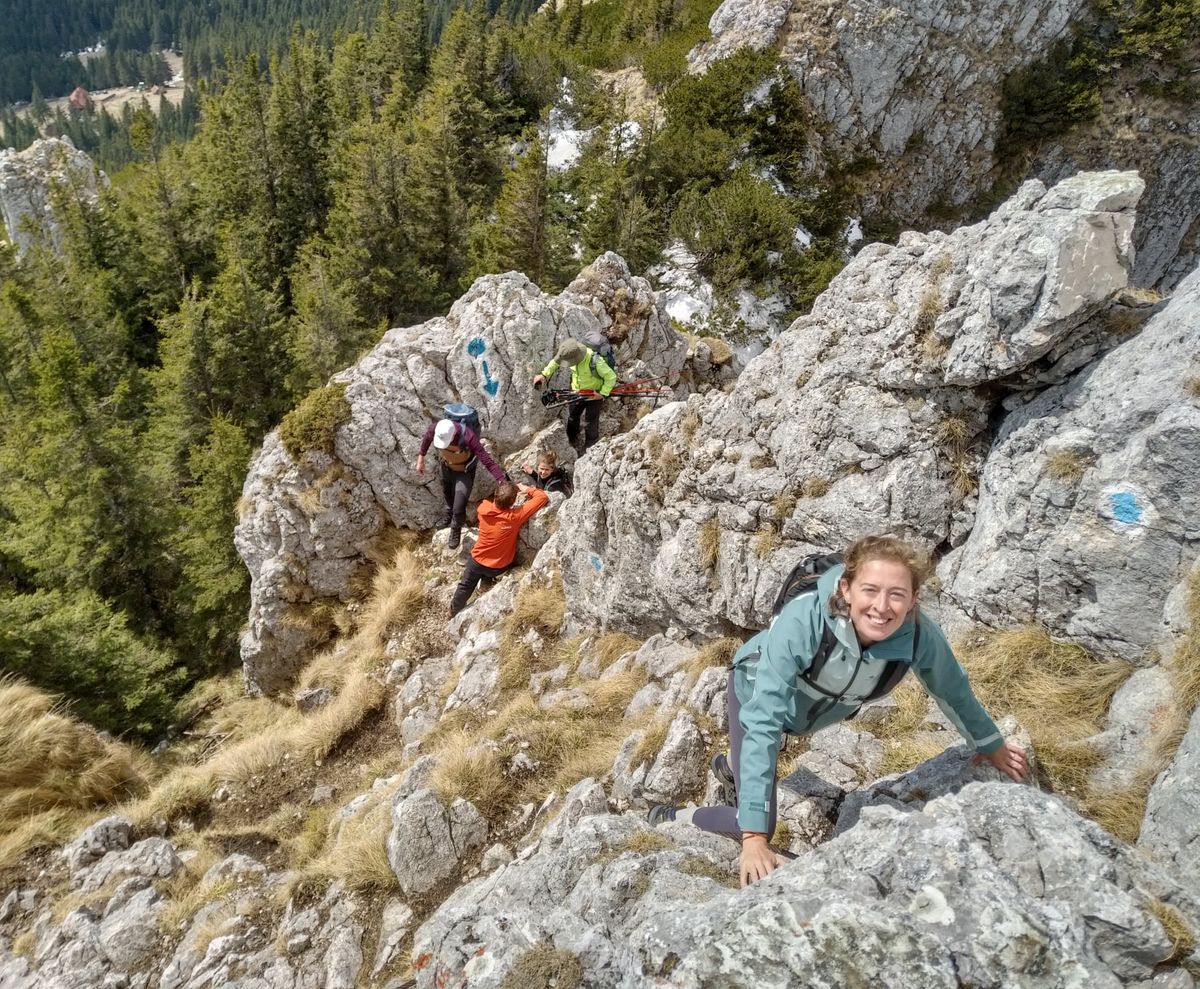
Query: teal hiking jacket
x,y
774,699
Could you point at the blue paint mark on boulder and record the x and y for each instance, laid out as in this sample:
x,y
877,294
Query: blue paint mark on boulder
x,y
597,563
476,346
1125,507
490,384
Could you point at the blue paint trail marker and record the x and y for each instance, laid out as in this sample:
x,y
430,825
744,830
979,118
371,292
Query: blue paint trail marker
x,y
476,346
597,563
1125,508
490,384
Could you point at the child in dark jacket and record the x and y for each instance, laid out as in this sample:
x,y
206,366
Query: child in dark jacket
x,y
549,477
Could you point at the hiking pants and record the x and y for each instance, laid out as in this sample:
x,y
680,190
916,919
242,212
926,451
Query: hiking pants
x,y
456,489
723,820
472,575
576,411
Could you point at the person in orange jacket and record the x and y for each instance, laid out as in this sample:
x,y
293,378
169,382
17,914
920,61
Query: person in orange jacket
x,y
495,551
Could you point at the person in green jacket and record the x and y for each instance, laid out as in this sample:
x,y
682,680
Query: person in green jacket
x,y
870,605
589,372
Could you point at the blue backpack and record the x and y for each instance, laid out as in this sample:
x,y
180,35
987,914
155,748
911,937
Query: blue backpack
x,y
463,414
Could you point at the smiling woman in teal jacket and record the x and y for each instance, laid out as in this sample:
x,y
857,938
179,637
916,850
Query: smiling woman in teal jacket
x,y
869,604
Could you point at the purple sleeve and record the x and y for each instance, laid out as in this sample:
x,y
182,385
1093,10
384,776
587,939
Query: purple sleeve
x,y
427,439
485,458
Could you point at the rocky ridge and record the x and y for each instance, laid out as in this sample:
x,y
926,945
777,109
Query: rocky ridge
x,y
307,527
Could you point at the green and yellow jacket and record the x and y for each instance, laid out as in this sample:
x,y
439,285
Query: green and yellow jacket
x,y
775,699
583,378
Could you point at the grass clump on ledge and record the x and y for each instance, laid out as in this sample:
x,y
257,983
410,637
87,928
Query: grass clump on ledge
x,y
542,967
53,769
313,423
1057,690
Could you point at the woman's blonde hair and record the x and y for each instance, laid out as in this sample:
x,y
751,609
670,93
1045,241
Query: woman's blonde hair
x,y
890,548
548,457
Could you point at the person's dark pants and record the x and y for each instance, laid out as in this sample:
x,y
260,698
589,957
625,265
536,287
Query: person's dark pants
x,y
472,575
723,820
577,411
456,489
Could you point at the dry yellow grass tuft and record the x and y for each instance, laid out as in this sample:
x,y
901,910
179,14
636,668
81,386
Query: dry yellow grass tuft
x,y
651,742
397,597
1057,690
1181,936
52,764
783,505
1066,465
954,431
470,768
357,856
543,966
540,608
814,487
766,541
1192,386
689,423
612,646
716,652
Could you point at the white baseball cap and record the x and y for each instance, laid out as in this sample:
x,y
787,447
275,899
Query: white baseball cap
x,y
443,434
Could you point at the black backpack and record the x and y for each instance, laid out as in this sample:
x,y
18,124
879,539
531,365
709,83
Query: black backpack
x,y
803,580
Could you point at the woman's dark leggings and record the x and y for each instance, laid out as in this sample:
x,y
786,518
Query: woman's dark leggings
x,y
456,489
723,820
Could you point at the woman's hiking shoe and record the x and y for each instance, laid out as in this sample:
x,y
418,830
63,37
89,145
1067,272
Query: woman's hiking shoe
x,y
455,537
661,813
721,770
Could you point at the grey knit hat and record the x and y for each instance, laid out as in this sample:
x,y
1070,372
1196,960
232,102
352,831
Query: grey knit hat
x,y
570,352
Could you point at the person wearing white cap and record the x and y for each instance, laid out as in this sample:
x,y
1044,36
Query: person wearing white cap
x,y
460,451
589,372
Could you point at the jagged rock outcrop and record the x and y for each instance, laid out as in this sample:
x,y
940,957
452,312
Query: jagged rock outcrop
x,y
307,527
916,83
872,413
917,86
1090,496
27,181
996,884
1159,139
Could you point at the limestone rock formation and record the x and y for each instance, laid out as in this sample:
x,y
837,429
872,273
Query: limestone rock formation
x,y
1090,495
872,413
994,885
1169,828
27,181
917,87
308,526
916,83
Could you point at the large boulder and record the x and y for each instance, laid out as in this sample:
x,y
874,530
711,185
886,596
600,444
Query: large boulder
x,y
308,525
994,885
872,413
1090,496
28,181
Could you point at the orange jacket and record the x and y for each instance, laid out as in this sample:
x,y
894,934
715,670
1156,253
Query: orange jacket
x,y
499,529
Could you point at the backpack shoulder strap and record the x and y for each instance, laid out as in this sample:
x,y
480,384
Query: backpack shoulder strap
x,y
821,656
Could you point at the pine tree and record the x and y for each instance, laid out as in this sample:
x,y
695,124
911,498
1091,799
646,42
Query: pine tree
x,y
518,238
329,333
214,595
299,123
